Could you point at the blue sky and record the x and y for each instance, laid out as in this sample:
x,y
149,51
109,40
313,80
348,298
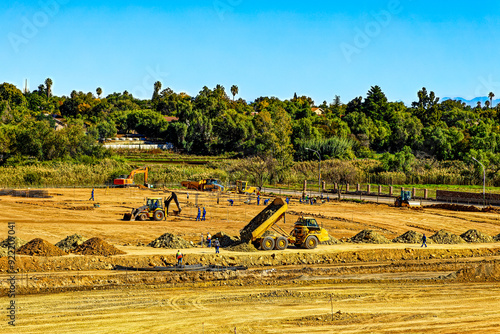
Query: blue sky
x,y
315,48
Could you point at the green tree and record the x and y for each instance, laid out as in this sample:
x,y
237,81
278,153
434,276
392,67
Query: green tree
x,y
99,92
48,84
234,90
491,95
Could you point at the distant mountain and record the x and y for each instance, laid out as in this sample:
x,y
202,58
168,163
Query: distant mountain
x,y
474,101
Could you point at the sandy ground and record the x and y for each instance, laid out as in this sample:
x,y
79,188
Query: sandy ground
x,y
386,295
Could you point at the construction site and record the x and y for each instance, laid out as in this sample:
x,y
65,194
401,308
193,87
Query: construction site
x,y
105,260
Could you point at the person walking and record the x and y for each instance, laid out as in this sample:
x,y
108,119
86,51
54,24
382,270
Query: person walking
x,y
209,240
179,256
204,214
92,195
424,241
198,218
217,245
287,200
258,199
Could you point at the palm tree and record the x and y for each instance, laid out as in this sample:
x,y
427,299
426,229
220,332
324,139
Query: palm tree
x,y
491,95
234,90
48,84
486,104
98,91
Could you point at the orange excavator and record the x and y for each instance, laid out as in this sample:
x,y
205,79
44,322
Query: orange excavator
x,y
128,180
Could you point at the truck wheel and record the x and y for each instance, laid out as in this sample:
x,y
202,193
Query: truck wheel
x,y
281,243
159,215
267,243
311,242
142,217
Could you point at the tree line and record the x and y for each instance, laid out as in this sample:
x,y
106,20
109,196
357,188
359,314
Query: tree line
x,y
216,122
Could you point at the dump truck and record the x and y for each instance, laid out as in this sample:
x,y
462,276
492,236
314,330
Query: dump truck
x,y
405,200
242,187
128,180
306,233
204,185
156,208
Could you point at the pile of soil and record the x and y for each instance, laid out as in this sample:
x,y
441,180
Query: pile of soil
x,y
170,241
369,237
18,242
410,237
71,242
97,246
225,240
454,207
331,241
246,232
40,247
242,247
445,237
496,238
474,236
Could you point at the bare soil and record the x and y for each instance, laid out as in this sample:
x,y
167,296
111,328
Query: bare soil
x,y
396,287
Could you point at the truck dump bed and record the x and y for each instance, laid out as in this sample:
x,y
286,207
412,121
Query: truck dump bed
x,y
263,221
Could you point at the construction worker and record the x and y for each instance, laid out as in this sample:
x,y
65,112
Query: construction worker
x,y
209,240
204,213
187,195
231,202
266,201
217,245
424,241
179,256
198,218
328,198
287,200
258,199
92,195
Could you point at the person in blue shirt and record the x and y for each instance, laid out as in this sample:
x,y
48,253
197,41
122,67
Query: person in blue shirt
x,y
199,214
266,201
231,202
424,241
204,214
287,200
258,199
92,195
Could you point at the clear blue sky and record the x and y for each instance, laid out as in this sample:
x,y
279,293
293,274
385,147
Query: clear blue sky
x,y
315,48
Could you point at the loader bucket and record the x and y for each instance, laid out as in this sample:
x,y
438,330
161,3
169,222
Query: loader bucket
x,y
127,216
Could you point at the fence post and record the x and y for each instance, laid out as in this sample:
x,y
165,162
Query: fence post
x,y
413,193
390,190
347,188
358,187
368,189
379,190
304,189
426,193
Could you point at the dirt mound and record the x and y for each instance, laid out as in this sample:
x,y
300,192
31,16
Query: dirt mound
x,y
445,237
475,236
225,239
242,247
97,246
454,207
480,272
170,241
18,242
40,247
71,242
410,237
496,238
369,237
331,241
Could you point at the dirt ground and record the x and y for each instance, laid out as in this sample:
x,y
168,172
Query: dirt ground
x,y
389,288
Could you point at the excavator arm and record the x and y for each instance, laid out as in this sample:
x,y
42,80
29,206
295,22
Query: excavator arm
x,y
140,171
172,197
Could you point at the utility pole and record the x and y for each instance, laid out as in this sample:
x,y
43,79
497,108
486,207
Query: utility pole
x,y
484,181
319,168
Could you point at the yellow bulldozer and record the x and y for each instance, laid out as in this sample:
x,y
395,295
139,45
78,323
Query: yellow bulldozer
x,y
242,187
156,208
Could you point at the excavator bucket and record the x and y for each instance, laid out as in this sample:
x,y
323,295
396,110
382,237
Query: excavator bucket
x,y
127,216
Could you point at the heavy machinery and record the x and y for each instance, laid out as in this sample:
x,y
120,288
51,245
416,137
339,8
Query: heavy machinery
x,y
204,185
156,208
128,180
306,233
405,200
243,188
